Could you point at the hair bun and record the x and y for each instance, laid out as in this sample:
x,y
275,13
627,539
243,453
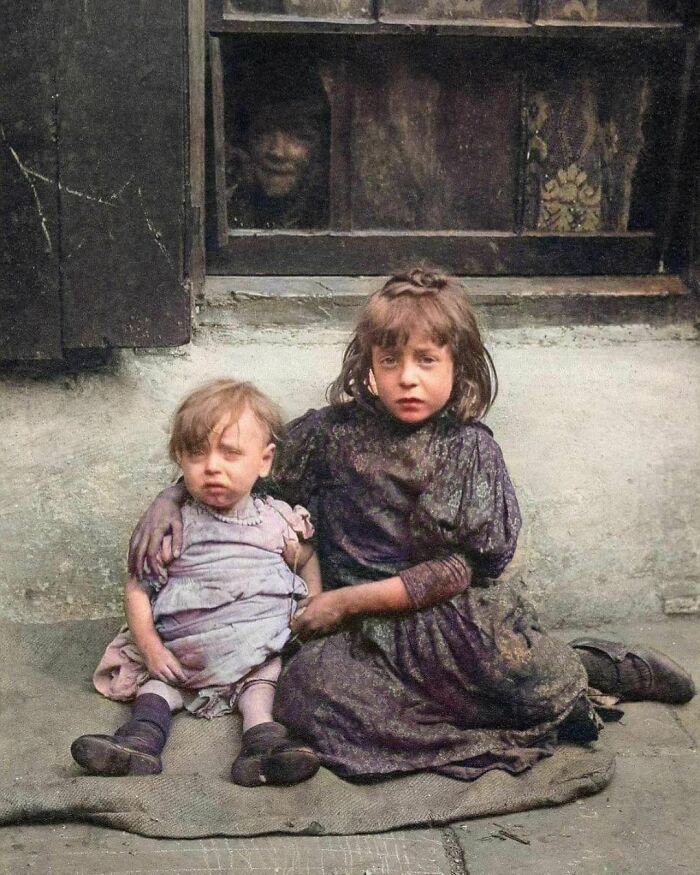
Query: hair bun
x,y
426,278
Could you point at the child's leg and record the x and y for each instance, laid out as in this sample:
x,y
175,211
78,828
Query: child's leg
x,y
267,754
135,747
258,693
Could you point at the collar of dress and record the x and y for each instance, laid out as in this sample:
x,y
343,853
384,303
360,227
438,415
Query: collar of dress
x,y
247,515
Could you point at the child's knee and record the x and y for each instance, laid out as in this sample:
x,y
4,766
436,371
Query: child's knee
x,y
269,671
159,688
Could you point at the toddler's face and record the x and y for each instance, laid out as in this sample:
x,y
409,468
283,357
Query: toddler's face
x,y
222,474
415,381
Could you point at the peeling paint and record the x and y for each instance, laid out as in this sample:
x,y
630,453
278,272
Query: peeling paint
x,y
29,174
111,201
76,249
120,191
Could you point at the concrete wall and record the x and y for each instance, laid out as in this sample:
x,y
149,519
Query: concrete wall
x,y
600,428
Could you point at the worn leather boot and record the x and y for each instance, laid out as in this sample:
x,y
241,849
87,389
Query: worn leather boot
x,y
135,747
269,756
634,673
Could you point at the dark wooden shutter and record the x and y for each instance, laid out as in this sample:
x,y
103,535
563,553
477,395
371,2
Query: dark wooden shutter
x,y
30,313
122,86
95,122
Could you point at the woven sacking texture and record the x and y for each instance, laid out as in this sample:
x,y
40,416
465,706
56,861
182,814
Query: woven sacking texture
x,y
47,699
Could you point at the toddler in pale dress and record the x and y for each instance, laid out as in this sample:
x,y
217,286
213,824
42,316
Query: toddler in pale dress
x,y
208,638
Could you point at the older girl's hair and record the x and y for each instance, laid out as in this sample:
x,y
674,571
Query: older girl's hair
x,y
425,300
202,409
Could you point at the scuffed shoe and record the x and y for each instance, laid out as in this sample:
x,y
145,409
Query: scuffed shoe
x,y
289,762
269,756
114,756
638,673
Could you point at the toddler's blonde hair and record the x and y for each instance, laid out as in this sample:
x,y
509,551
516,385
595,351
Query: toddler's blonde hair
x,y
200,411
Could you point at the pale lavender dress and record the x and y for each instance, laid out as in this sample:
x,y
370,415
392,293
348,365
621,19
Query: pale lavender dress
x,y
225,608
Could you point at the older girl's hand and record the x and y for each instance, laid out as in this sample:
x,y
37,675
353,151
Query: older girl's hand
x,y
147,552
320,614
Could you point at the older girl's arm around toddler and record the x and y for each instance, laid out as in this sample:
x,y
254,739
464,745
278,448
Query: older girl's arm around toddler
x,y
408,592
160,662
302,559
162,517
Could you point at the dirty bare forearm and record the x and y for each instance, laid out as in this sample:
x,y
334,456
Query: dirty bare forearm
x,y
387,596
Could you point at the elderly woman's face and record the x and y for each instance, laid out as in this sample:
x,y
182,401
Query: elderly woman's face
x,y
280,160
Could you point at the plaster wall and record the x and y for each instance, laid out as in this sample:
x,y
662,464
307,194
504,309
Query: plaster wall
x,y
600,428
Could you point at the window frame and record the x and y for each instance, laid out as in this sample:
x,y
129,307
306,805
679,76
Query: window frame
x,y
340,249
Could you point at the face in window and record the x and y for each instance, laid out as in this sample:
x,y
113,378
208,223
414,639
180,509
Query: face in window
x,y
284,144
280,160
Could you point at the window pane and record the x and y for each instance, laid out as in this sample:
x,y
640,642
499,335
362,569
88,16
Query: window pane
x,y
434,139
597,151
328,132
277,134
451,9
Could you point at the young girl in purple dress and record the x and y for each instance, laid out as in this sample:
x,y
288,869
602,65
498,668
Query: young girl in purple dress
x,y
208,638
415,656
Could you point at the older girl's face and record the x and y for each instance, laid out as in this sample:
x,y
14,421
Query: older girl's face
x,y
414,381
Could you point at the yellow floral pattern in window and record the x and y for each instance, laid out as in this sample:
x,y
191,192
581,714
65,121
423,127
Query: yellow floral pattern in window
x,y
568,202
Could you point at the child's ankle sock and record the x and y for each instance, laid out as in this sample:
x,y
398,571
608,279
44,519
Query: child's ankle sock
x,y
255,702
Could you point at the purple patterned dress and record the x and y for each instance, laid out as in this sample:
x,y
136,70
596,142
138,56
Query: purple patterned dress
x,y
462,687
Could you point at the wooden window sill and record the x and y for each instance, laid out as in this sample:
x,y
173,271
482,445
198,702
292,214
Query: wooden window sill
x,y
296,301
504,27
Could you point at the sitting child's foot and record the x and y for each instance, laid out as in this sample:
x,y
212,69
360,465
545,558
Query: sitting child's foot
x,y
269,756
135,747
115,756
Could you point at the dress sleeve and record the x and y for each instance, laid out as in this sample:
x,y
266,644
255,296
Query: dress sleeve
x,y
481,540
296,472
436,580
489,516
296,521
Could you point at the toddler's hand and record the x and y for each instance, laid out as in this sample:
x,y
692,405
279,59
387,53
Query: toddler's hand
x,y
164,666
318,614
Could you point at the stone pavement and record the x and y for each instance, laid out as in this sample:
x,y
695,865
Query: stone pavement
x,y
647,822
